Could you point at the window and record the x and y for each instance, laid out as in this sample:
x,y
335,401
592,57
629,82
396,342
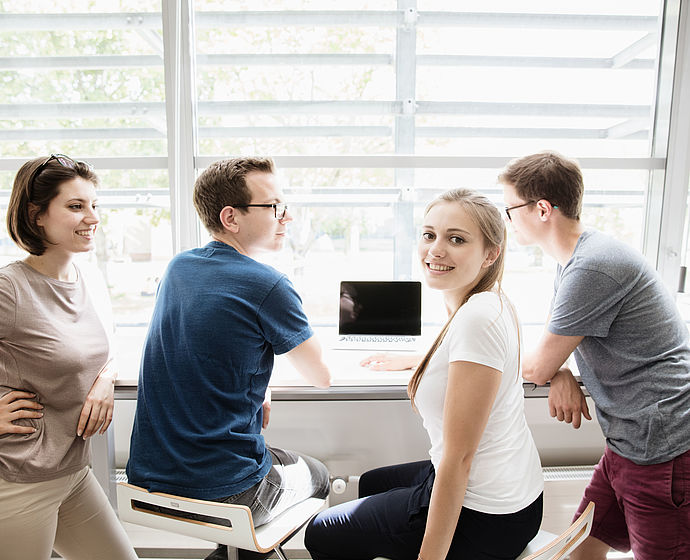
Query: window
x,y
89,82
453,91
369,112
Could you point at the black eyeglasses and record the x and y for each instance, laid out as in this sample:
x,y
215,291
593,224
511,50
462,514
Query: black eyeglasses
x,y
508,209
63,160
279,208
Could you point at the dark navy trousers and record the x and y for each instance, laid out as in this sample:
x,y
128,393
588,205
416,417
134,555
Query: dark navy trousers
x,y
389,520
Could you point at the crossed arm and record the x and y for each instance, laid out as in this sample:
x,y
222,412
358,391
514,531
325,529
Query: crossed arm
x,y
546,363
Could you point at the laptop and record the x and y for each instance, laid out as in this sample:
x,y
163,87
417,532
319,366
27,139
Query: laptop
x,y
379,315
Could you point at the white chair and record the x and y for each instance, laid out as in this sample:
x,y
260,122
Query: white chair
x,y
234,527
547,546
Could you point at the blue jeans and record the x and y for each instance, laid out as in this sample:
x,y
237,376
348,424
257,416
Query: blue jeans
x,y
292,479
389,520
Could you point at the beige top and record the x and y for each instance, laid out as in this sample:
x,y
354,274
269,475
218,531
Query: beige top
x,y
52,343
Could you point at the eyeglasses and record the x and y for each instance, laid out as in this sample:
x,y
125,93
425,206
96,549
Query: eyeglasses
x,y
508,209
63,160
279,208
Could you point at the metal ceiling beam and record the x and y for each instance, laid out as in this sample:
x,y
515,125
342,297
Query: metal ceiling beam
x,y
83,21
33,111
630,130
87,62
628,54
361,18
91,62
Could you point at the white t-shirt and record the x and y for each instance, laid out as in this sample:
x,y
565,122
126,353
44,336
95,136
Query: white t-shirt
x,y
506,475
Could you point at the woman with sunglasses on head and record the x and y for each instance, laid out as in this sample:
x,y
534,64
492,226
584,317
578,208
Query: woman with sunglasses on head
x,y
56,374
480,495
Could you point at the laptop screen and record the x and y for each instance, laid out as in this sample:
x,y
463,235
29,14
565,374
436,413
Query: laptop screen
x,y
385,308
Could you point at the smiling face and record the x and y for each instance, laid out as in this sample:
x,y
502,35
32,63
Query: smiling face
x,y
259,230
453,252
69,223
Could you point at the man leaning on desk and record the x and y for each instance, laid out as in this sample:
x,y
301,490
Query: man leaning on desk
x,y
220,317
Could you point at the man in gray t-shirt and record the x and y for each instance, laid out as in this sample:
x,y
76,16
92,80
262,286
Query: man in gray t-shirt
x,y
611,310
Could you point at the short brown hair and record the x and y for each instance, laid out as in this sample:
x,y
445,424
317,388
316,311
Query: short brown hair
x,y
38,186
223,183
547,176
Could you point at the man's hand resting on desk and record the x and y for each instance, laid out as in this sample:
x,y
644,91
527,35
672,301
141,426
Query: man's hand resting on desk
x,y
566,400
391,362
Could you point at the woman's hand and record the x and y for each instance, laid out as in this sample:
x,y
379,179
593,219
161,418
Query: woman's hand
x,y
391,362
97,412
15,405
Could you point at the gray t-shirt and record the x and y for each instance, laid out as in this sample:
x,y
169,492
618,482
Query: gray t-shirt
x,y
635,357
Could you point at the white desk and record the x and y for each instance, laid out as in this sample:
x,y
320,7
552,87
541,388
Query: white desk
x,y
338,419
350,382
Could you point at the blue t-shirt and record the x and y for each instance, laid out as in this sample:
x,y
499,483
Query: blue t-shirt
x,y
219,319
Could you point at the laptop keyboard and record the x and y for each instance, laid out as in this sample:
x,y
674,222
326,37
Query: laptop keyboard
x,y
376,338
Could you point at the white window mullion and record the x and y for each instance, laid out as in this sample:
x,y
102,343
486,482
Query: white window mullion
x,y
677,173
180,101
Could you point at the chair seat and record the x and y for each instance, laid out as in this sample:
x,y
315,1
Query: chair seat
x,y
240,533
538,542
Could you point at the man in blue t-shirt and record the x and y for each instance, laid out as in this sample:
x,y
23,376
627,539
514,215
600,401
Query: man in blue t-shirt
x,y
220,317
611,310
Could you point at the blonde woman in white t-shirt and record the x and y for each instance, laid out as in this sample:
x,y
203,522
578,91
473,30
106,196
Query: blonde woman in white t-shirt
x,y
480,494
56,373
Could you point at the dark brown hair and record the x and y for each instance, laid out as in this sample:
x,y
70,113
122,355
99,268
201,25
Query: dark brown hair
x,y
547,176
223,184
490,222
32,192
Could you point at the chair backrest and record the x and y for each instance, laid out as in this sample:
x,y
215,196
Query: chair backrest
x,y
566,541
232,524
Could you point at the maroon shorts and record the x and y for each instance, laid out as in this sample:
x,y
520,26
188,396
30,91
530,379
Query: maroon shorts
x,y
643,507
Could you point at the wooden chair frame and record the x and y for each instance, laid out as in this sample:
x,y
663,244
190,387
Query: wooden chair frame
x,y
562,544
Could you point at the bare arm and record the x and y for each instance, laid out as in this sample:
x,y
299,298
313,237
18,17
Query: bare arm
x,y
97,412
470,394
551,352
384,361
546,364
308,361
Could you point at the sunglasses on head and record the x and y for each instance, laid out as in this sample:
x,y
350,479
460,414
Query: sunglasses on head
x,y
63,160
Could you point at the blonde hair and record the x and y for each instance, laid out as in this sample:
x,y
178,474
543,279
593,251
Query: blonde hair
x,y
492,226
